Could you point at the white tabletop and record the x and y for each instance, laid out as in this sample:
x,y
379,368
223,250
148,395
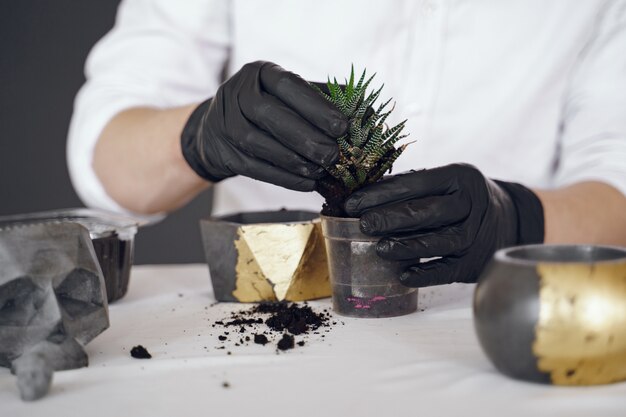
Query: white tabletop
x,y
425,364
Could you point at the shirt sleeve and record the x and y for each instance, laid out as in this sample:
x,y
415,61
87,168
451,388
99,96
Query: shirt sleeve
x,y
160,53
593,130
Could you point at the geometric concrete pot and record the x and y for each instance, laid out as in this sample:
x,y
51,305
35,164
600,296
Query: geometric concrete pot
x,y
52,302
266,256
555,313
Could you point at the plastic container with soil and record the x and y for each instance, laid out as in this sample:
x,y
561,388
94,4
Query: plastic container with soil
x,y
112,236
363,284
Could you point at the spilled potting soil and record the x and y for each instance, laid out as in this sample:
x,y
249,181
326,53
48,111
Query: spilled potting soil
x,y
281,324
140,352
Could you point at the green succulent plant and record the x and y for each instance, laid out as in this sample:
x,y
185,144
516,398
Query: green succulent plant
x,y
368,149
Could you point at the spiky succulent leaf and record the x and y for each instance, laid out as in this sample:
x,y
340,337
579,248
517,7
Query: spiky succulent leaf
x,y
368,150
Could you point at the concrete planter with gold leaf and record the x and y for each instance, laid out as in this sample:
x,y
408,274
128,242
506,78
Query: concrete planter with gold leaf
x,y
266,256
555,314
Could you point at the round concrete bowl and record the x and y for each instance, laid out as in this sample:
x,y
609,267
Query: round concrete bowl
x,y
555,314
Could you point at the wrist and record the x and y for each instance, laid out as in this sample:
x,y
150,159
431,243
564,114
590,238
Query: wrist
x,y
191,142
530,214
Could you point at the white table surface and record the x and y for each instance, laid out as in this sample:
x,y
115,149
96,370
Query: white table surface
x,y
425,364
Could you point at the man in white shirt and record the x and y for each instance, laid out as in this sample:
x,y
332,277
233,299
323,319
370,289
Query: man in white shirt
x,y
530,92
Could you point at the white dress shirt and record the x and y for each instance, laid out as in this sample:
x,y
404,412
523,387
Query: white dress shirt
x,y
531,91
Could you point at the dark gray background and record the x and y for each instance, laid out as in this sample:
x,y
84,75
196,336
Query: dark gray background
x,y
43,46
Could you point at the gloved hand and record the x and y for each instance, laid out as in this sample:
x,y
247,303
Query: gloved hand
x,y
452,212
265,123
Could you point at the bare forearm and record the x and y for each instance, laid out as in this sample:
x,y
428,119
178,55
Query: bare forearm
x,y
139,160
586,212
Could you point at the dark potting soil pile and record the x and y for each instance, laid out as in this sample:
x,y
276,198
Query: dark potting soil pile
x,y
274,322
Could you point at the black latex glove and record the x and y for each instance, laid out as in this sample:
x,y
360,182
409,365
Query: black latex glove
x,y
452,212
265,123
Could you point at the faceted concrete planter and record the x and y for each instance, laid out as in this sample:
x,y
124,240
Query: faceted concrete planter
x,y
53,302
266,256
555,314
